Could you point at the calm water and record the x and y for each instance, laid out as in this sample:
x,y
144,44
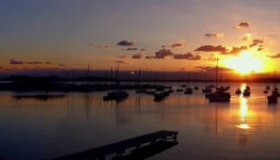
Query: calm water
x,y
244,129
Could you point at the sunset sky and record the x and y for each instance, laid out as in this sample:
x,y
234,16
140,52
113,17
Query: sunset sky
x,y
169,35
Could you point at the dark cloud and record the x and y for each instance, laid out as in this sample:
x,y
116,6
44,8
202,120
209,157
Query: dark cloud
x,y
48,62
163,53
210,48
178,45
218,35
14,61
274,56
62,65
125,43
243,25
236,50
132,49
137,56
256,42
187,56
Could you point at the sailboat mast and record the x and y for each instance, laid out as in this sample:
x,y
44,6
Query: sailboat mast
x,y
217,72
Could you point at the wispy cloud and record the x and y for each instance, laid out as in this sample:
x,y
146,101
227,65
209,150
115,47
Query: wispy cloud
x,y
246,37
217,35
178,45
274,56
14,61
102,46
121,62
132,49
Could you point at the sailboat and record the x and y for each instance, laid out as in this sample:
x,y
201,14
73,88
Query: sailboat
x,y
219,95
118,94
188,90
140,90
275,94
247,91
238,90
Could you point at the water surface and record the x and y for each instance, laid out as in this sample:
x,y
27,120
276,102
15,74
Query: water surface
x,y
246,128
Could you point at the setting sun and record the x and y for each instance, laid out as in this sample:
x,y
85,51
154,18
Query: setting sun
x,y
245,63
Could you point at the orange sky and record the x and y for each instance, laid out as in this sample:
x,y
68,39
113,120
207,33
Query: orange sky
x,y
171,35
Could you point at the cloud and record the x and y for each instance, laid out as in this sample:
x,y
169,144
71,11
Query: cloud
x,y
242,25
256,42
34,62
247,37
20,62
132,49
274,56
102,46
125,43
14,61
187,56
178,45
163,53
62,65
137,56
210,35
210,48
236,50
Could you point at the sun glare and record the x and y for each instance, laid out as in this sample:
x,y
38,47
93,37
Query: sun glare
x,y
245,63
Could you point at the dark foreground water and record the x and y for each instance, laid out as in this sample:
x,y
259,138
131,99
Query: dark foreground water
x,y
244,129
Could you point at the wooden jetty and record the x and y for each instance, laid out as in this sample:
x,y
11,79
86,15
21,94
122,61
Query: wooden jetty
x,y
119,148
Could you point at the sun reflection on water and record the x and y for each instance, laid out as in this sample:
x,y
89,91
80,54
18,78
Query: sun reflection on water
x,y
243,114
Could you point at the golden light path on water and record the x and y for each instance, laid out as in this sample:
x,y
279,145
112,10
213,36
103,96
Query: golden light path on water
x,y
244,112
